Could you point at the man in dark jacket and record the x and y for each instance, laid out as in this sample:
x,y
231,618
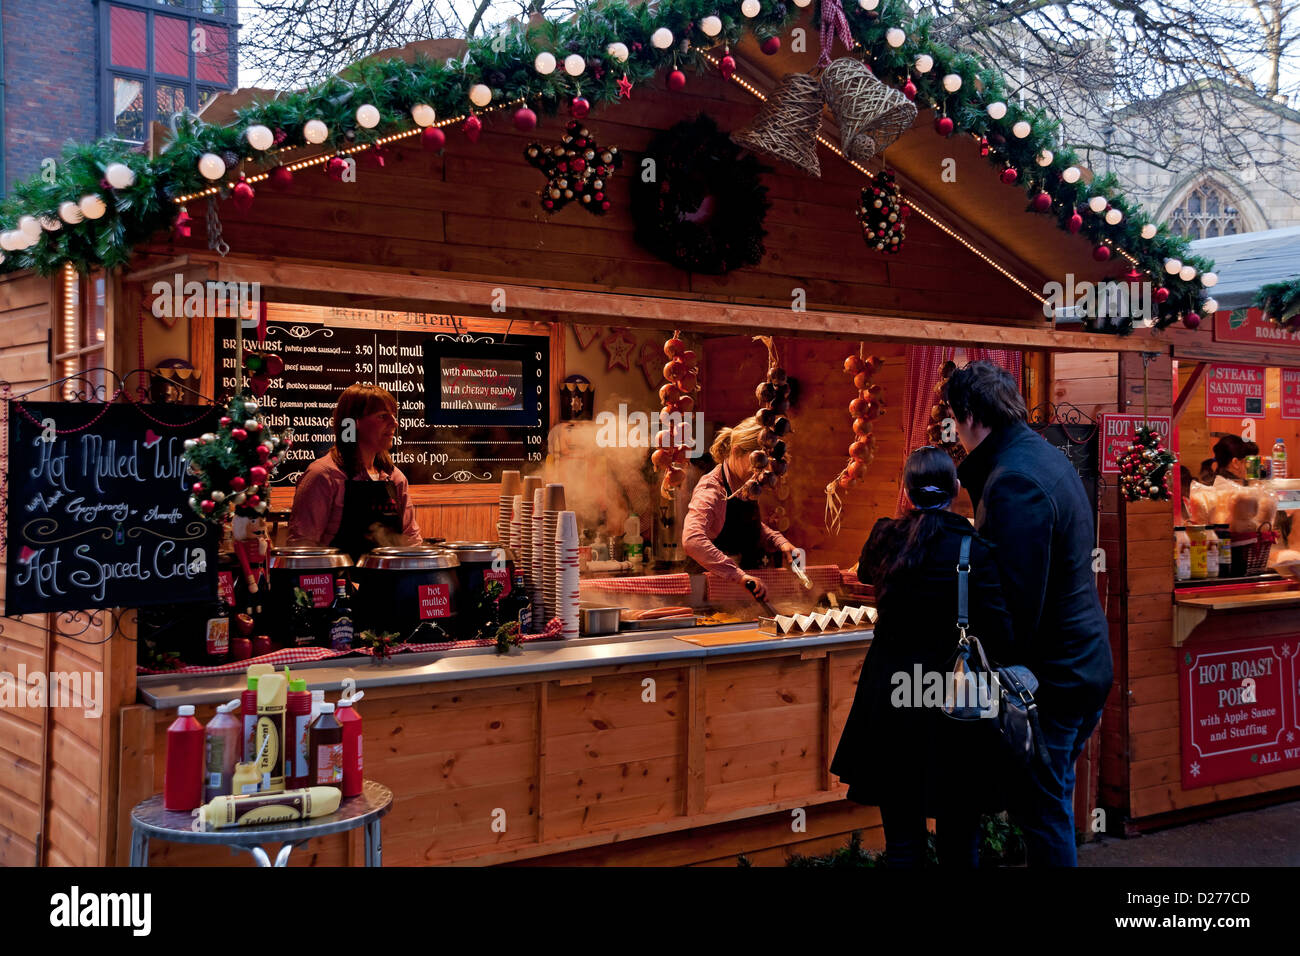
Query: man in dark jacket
x,y
1030,502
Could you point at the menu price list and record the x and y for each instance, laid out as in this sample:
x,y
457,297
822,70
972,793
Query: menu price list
x,y
321,361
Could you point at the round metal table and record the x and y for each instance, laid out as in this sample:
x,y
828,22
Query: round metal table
x,y
149,820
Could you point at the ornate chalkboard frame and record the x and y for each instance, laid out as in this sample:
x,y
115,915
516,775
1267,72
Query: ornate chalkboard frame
x,y
1078,435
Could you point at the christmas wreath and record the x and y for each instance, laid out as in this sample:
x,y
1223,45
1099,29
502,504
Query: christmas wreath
x,y
703,207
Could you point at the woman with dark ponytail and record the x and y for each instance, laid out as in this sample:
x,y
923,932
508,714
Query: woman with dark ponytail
x,y
898,750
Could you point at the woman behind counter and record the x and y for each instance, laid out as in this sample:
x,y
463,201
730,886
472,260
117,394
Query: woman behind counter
x,y
1229,461
354,498
725,535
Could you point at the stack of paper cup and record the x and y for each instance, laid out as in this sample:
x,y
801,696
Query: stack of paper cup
x,y
539,563
566,559
516,523
552,505
524,553
510,486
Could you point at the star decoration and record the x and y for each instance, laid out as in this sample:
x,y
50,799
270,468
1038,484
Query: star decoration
x,y
624,88
619,345
651,362
575,169
1290,737
1195,769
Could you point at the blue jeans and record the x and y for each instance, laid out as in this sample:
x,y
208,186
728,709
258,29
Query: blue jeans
x,y
1045,810
956,837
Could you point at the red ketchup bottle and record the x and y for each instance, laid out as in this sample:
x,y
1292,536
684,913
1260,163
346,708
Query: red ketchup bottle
x,y
297,721
248,712
183,775
353,769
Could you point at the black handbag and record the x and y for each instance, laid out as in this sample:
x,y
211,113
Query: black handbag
x,y
978,690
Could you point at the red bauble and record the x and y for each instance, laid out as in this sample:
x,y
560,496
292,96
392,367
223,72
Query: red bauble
x,y
943,125
257,474
1009,175
1191,320
525,119
253,501
727,66
909,90
1101,253
238,434
208,506
1043,202
280,178
1161,295
197,487
335,167
242,196
1076,222
274,365
225,420
473,127
262,452
579,107
771,46
237,483
181,227
433,139
676,81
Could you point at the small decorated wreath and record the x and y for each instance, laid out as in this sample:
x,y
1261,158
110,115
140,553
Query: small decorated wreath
x,y
703,209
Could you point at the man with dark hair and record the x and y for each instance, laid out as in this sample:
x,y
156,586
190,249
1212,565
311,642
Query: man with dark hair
x,y
1030,502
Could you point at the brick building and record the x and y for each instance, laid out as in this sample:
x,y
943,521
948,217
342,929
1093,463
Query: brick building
x,y
80,69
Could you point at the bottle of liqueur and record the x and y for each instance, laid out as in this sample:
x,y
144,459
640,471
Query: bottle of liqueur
x,y
517,606
215,646
341,629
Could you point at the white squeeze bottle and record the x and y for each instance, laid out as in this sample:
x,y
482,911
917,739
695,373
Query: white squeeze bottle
x,y
1279,459
633,543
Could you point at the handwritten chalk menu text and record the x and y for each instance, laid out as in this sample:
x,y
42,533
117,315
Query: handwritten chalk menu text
x,y
320,361
98,507
1239,709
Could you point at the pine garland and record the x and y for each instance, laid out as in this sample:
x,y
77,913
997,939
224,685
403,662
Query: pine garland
x,y
233,466
1280,302
505,63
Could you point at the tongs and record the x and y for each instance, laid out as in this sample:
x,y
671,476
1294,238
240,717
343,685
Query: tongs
x,y
752,586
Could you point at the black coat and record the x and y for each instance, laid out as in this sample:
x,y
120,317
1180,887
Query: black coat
x,y
916,755
1030,502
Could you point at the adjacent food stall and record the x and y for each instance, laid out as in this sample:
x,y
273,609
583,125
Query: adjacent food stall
x,y
642,711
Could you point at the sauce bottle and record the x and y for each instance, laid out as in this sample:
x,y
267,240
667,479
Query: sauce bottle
x,y
1225,550
183,774
297,754
248,711
353,769
1211,552
326,749
1182,554
222,746
1199,552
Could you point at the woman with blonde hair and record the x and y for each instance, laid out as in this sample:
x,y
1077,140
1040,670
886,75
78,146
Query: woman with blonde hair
x,y
353,497
723,532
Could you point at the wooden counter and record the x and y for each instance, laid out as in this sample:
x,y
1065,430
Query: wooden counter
x,y
1192,607
671,751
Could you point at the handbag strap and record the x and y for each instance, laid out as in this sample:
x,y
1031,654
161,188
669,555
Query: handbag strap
x,y
963,585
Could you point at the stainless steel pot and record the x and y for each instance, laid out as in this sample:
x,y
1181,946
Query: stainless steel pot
x,y
400,588
477,560
312,571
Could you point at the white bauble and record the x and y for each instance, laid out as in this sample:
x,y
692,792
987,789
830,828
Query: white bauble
x,y
208,436
1209,279
868,4
924,63
120,175
1173,266
70,213
618,51
574,64
238,497
1044,157
1187,273
423,114
260,506
1114,216
895,37
952,82
1097,203
212,166
92,206
1071,174
1149,231
251,407
259,137
544,63
8,240
190,443
996,110
1211,306
50,224
802,3
367,116
218,496
1021,130
662,38
30,227
480,94
315,132
711,26
194,502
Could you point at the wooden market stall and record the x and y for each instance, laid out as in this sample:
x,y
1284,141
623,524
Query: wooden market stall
x,y
674,747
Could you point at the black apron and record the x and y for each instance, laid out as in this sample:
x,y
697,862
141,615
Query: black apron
x,y
741,537
367,503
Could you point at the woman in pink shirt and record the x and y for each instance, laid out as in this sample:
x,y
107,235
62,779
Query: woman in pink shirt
x,y
725,534
354,498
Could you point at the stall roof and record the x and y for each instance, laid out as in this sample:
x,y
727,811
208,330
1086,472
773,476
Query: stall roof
x,y
1248,260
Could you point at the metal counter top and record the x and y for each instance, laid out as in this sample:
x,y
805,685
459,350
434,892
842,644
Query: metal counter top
x,y
165,692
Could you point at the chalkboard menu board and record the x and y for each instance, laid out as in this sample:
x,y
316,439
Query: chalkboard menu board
x,y
1078,443
320,361
98,507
